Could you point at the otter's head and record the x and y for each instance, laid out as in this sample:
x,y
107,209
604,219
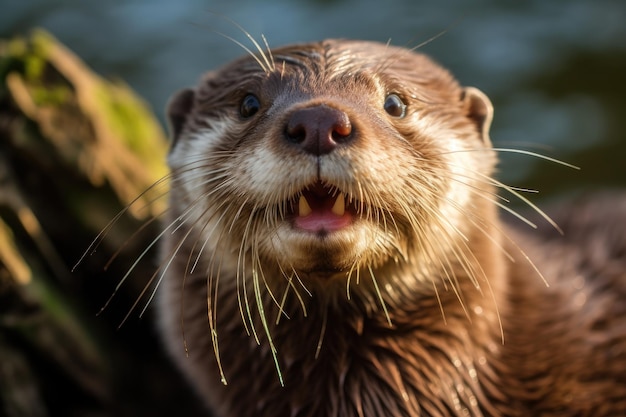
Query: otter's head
x,y
328,159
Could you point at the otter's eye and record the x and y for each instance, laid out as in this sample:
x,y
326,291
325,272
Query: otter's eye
x,y
249,106
394,106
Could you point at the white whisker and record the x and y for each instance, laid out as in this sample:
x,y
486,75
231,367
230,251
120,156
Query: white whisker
x,y
380,296
105,231
268,333
525,200
320,340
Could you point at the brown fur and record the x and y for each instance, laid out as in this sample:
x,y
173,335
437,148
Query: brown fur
x,y
405,313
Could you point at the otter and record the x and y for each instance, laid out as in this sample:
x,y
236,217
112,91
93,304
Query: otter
x,y
334,247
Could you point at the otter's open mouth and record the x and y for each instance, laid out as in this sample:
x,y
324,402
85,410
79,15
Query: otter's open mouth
x,y
322,209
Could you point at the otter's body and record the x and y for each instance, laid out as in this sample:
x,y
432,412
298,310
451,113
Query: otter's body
x,y
333,248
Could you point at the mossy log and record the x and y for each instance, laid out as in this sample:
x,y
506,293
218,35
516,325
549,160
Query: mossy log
x,y
76,150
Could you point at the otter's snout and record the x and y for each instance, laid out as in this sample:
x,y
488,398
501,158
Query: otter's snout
x,y
318,130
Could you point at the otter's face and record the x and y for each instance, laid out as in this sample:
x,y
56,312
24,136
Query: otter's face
x,y
327,159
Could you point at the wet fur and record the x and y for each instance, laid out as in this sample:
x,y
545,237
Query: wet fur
x,y
427,306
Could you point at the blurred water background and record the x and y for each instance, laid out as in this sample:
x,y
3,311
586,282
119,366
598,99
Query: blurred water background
x,y
555,70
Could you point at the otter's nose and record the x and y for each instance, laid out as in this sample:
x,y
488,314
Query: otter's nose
x,y
319,129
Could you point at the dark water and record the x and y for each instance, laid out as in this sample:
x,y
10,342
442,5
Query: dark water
x,y
555,70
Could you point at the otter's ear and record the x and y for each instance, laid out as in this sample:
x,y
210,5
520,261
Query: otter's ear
x,y
480,110
178,109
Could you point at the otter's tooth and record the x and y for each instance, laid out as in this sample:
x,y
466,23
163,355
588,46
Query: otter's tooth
x,y
303,207
339,207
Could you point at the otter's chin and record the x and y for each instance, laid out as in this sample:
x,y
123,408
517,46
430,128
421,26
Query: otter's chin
x,y
328,253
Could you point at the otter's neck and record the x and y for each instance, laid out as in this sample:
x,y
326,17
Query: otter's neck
x,y
429,358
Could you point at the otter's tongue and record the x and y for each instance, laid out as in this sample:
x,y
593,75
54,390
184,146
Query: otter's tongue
x,y
319,211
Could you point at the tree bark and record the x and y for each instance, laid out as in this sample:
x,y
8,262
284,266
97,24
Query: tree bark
x,y
76,151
